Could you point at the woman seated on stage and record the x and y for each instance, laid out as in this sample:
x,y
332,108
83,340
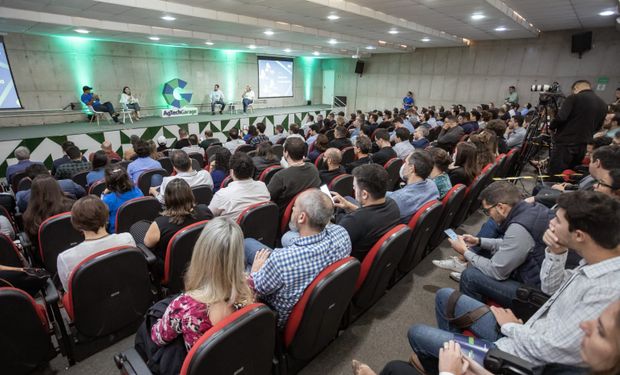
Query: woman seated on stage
x,y
119,189
129,101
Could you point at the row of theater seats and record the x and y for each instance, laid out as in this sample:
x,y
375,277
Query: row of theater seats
x,y
110,291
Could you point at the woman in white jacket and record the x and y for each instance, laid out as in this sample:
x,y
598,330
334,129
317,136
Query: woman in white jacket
x,y
129,101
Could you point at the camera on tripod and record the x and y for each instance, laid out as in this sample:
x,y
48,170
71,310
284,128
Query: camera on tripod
x,y
549,95
554,87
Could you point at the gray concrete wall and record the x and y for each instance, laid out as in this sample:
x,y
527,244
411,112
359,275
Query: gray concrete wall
x,y
50,71
480,73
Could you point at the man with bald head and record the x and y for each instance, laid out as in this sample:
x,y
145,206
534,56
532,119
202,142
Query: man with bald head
x,y
106,147
579,118
281,275
332,157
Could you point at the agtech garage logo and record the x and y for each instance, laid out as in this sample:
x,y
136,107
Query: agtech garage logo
x,y
174,95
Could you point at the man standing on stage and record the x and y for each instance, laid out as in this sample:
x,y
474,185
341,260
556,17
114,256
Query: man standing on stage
x,y
580,116
92,100
217,97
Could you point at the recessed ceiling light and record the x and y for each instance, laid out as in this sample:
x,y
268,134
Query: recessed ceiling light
x,y
81,31
333,17
393,31
287,50
501,28
382,42
371,47
426,40
316,53
209,43
332,41
607,13
477,16
168,18
268,32
403,46
252,46
355,56
153,37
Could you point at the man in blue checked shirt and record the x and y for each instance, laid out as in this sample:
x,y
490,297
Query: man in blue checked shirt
x,y
281,275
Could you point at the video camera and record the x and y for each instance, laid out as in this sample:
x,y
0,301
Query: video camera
x,y
549,94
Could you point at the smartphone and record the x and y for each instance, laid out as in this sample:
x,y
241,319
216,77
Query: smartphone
x,y
325,190
451,234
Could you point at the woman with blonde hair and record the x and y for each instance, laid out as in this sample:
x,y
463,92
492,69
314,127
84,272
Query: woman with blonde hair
x,y
215,286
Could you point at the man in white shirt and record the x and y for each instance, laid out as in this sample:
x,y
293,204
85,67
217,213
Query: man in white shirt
x,y
242,192
217,97
280,133
402,147
182,164
247,98
89,215
193,146
235,141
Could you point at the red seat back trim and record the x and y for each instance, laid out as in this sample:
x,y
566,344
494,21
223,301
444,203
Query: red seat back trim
x,y
414,219
169,248
337,179
287,213
266,171
122,206
247,210
370,257
39,310
43,224
451,192
390,162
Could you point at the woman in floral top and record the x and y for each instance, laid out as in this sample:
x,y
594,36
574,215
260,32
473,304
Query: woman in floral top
x,y
215,286
439,175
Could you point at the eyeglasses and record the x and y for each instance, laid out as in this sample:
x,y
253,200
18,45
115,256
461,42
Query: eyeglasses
x,y
486,210
601,183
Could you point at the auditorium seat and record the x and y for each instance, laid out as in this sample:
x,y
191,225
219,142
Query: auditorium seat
x,y
211,150
109,293
278,150
451,203
471,194
227,180
342,185
315,319
512,159
97,188
144,180
178,254
199,158
488,172
202,194
242,343
17,177
267,174
10,254
422,224
134,210
348,155
80,178
377,270
319,162
330,134
166,164
392,167
501,161
260,221
286,215
245,148
56,234
26,342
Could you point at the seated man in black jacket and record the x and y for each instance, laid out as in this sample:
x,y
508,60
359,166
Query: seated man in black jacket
x,y
363,146
377,214
450,134
332,157
386,152
341,139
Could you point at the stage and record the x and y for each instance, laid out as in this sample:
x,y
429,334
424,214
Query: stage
x,y
44,141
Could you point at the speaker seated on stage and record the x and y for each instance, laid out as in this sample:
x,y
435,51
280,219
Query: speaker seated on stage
x,y
247,98
92,100
217,98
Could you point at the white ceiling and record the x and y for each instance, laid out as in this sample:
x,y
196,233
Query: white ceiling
x,y
302,25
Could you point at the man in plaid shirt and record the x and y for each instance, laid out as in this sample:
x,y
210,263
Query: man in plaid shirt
x,y
281,275
586,222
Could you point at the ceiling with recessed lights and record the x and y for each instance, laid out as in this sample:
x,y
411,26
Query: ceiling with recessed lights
x,y
304,27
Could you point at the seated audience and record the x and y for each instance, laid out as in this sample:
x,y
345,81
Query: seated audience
x,y
499,128
586,222
119,189
215,286
242,192
374,216
182,165
260,137
295,132
465,167
486,147
320,145
386,152
264,158
419,189
67,186
162,144
130,153
64,159
296,177
439,174
46,200
153,153
6,227
516,132
193,147
76,165
22,154
281,275
234,142
331,165
466,123
251,133
341,138
312,134
30,280
419,137
209,140
280,133
106,147
183,140
181,210
143,163
451,133
99,162
402,147
219,163
362,149
89,215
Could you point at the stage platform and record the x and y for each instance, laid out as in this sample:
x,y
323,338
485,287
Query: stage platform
x,y
44,141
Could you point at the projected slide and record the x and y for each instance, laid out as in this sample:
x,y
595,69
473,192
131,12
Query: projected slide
x,y
275,77
8,92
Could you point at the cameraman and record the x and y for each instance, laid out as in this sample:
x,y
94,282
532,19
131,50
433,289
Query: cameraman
x,y
580,116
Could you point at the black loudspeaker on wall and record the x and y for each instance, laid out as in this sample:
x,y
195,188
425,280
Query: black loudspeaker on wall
x,y
359,67
581,43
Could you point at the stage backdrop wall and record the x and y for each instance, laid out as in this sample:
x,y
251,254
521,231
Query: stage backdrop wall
x,y
479,73
50,71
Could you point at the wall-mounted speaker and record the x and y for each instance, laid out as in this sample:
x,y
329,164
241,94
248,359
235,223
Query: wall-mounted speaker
x,y
359,67
581,43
